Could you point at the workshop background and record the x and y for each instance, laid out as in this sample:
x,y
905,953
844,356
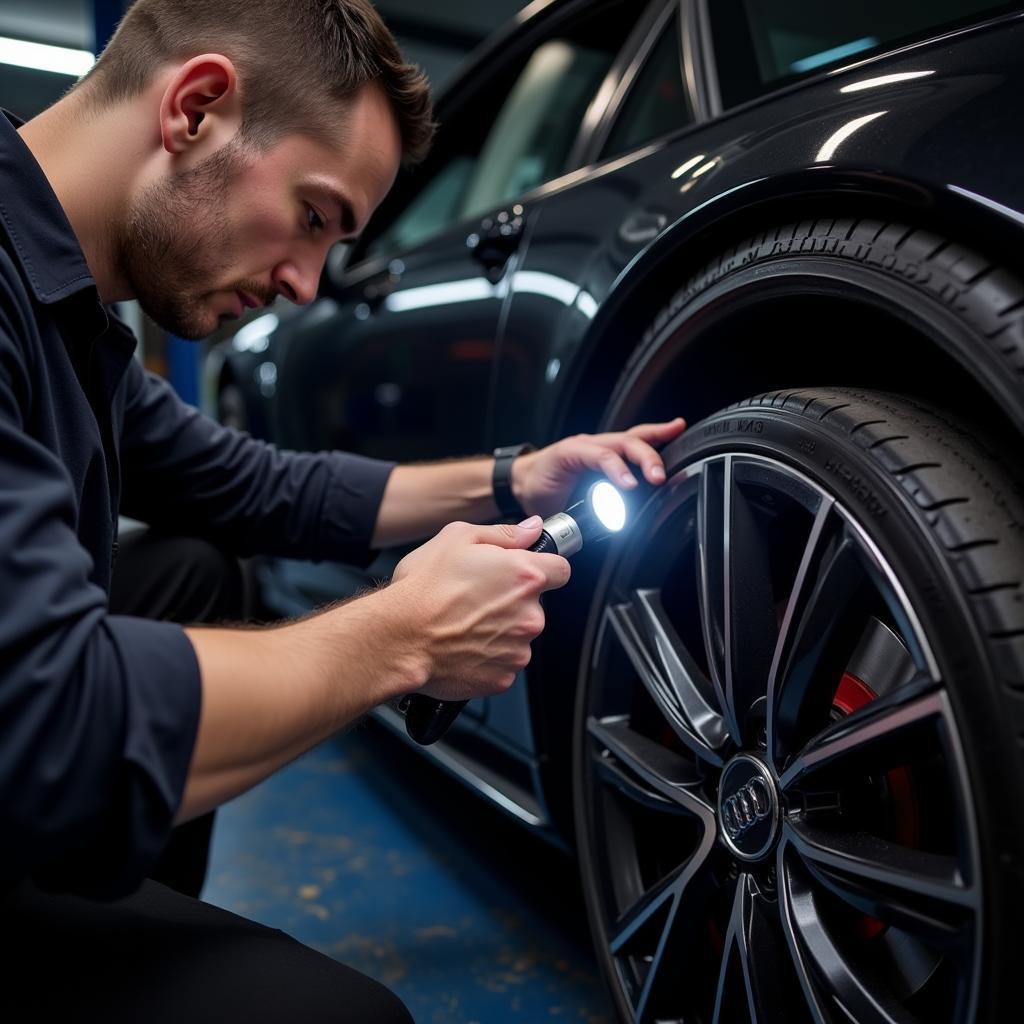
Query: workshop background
x,y
360,849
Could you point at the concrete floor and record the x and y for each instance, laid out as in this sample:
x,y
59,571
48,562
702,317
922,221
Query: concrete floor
x,y
364,852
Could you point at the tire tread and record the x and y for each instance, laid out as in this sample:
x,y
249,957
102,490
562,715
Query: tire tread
x,y
974,508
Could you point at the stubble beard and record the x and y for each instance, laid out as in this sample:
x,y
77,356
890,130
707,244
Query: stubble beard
x,y
173,243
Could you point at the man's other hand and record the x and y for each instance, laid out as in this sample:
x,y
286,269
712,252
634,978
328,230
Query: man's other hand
x,y
471,597
543,481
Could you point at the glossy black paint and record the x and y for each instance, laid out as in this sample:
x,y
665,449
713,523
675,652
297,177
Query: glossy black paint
x,y
943,153
455,346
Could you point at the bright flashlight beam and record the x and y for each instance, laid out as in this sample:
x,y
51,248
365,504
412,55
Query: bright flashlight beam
x,y
608,506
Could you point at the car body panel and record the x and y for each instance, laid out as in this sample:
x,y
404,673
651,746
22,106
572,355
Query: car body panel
x,y
648,218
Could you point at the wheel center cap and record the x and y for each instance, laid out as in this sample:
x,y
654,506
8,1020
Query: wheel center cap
x,y
748,807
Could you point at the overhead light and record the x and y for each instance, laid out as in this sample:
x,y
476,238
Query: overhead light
x,y
836,140
42,57
692,162
710,165
874,83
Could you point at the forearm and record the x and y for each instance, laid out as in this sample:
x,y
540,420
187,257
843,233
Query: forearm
x,y
420,499
270,695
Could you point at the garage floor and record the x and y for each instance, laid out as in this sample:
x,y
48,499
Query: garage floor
x,y
369,855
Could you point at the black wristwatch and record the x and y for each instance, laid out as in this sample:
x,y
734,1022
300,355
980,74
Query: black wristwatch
x,y
501,480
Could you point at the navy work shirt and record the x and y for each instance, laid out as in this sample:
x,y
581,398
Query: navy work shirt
x,y
98,712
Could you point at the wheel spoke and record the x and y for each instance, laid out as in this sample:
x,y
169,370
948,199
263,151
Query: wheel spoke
x,y
625,782
623,933
752,945
876,737
914,890
668,672
655,767
711,569
692,888
828,979
751,628
826,616
730,975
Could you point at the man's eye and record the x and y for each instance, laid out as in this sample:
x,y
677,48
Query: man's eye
x,y
314,221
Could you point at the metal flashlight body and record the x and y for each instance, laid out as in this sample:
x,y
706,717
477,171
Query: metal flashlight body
x,y
601,513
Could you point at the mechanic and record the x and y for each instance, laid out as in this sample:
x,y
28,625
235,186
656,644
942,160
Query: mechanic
x,y
207,163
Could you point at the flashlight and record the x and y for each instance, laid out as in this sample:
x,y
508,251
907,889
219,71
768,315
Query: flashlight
x,y
601,513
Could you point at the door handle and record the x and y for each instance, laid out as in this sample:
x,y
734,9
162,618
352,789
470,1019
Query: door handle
x,y
496,241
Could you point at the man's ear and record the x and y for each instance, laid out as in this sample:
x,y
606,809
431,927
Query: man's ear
x,y
200,109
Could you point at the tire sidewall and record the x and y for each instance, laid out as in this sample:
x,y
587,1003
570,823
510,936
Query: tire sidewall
x,y
886,513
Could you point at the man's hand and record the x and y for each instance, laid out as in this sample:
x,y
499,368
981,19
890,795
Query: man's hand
x,y
471,600
543,481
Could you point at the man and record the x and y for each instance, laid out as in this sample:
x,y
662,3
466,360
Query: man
x,y
208,162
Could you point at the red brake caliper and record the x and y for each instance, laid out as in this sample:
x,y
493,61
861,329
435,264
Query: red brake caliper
x,y
852,695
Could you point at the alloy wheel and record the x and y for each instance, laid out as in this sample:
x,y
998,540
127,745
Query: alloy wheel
x,y
775,816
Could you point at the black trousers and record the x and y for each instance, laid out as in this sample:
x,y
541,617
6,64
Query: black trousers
x,y
161,955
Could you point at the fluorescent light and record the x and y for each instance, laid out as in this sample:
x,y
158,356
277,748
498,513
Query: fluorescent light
x,y
41,57
874,83
818,60
710,165
474,289
536,282
586,304
692,162
836,140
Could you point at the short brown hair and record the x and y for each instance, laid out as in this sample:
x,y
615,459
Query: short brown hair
x,y
294,57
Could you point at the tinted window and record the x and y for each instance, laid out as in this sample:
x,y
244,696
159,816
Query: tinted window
x,y
657,103
537,126
510,135
434,207
763,44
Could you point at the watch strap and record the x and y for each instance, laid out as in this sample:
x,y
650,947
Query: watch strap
x,y
501,480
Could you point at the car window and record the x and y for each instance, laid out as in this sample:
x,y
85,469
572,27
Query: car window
x,y
433,208
657,102
763,44
507,137
538,124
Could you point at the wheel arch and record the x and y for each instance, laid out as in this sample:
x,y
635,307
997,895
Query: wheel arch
x,y
646,286
654,275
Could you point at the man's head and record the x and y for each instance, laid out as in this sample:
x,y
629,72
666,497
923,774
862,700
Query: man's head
x,y
298,60
277,128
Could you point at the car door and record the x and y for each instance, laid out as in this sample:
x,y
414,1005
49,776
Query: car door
x,y
398,362
587,229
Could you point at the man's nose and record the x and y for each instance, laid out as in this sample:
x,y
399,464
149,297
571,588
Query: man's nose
x,y
298,283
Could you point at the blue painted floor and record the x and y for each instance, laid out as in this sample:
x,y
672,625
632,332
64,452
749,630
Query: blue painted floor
x,y
371,856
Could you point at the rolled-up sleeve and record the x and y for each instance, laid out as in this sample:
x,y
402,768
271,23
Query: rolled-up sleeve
x,y
98,714
184,472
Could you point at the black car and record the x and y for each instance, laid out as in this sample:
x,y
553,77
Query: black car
x,y
782,719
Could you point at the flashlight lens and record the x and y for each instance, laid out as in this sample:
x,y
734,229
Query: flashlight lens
x,y
608,506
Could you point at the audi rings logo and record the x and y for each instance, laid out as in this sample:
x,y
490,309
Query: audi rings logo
x,y
749,805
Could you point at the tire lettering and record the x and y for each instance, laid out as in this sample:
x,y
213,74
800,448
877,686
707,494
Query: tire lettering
x,y
734,426
857,487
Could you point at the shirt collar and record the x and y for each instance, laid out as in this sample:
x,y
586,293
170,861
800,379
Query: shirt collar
x,y
43,241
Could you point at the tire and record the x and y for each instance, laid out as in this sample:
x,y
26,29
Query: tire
x,y
798,776
881,303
